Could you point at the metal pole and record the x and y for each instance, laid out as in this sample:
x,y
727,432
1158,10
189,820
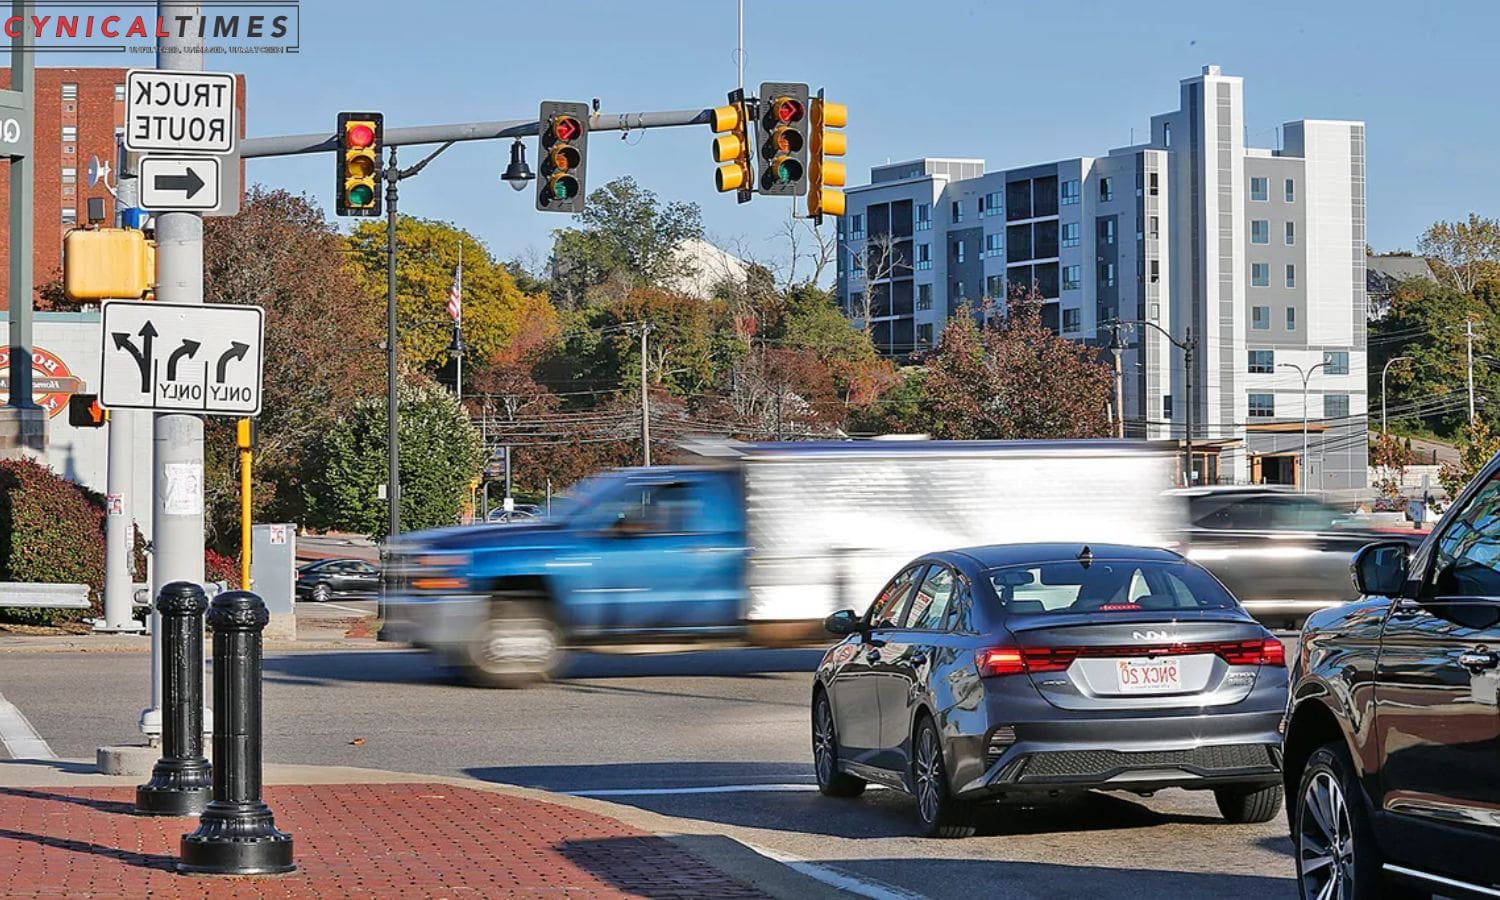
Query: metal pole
x,y
393,449
645,400
1187,386
1117,349
1303,479
177,471
508,451
22,178
740,51
245,517
1386,368
1469,332
180,780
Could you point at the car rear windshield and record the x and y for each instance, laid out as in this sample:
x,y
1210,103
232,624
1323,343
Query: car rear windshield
x,y
1107,586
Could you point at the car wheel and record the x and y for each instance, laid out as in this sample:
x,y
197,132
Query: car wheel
x,y
1243,807
1337,858
520,644
940,813
321,593
831,782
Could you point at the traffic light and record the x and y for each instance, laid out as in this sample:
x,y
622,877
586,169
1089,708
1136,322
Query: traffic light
x,y
563,130
84,411
108,264
782,134
825,176
732,147
360,137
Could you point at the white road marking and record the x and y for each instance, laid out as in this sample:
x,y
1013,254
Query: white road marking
x,y
854,884
20,739
346,609
786,788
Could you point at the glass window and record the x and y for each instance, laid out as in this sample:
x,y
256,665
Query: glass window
x,y
994,203
1155,270
654,509
1106,190
1291,233
1291,318
1153,183
994,286
69,215
1166,406
924,256
1259,189
1467,562
1336,362
958,210
885,612
1069,193
856,266
1291,191
70,92
924,216
1260,318
1106,230
70,132
70,175
1291,275
1260,231
924,334
1166,134
1260,274
1263,362
994,244
1335,406
119,93
958,250
1107,586
856,226
958,292
1262,406
856,308
924,298
1072,319
1155,227
929,606
1072,278
1107,274
1070,234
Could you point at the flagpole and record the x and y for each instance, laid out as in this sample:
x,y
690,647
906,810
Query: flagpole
x,y
458,327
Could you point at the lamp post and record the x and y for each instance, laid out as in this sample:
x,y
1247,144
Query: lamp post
x,y
1117,347
1306,375
1384,370
1186,346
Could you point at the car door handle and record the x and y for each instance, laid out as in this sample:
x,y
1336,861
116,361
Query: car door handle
x,y
1476,660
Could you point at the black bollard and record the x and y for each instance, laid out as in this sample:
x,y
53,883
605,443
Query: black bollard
x,y
237,834
181,780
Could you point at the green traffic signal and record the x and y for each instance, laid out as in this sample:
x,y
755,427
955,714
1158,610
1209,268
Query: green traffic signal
x,y
361,195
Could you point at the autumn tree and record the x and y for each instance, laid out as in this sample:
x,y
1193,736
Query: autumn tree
x,y
1391,457
1463,252
1479,445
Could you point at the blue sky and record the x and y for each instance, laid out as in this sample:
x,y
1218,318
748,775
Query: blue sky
x,y
1007,81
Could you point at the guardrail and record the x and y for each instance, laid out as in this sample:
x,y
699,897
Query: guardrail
x,y
44,596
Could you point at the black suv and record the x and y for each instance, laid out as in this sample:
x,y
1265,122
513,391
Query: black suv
x,y
1392,733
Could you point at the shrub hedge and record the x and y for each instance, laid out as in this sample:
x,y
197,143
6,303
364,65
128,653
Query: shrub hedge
x,y
51,532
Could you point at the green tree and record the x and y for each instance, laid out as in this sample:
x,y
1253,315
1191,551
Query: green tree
x,y
1480,445
440,455
628,236
1464,253
1426,324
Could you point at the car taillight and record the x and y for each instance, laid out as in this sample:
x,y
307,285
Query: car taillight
x,y
1036,660
1267,652
1000,661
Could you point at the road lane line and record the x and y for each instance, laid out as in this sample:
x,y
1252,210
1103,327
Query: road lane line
x,y
711,789
346,609
844,881
20,739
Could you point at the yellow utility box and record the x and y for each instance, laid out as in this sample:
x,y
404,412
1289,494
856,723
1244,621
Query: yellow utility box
x,y
108,264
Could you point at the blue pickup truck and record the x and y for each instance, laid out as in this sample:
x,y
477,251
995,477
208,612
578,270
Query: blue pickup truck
x,y
759,541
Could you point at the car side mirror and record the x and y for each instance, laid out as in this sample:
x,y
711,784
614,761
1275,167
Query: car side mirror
x,y
842,622
1380,570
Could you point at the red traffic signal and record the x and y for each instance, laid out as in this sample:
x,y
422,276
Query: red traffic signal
x,y
84,411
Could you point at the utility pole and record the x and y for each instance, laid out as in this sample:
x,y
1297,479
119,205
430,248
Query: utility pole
x,y
1469,335
1386,368
1116,348
1307,375
645,399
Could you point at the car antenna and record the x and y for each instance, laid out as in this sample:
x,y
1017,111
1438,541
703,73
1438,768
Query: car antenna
x,y
1086,557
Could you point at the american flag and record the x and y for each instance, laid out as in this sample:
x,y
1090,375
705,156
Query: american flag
x,y
456,293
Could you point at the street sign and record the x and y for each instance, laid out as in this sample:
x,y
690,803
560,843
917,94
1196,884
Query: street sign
x,y
182,183
182,358
180,112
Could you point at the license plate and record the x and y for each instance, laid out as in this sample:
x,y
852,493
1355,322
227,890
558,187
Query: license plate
x,y
1149,676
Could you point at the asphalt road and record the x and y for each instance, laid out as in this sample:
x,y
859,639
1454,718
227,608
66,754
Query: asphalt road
x,y
715,739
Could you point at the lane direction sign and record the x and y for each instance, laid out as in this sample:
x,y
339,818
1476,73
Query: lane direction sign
x,y
180,183
182,358
180,112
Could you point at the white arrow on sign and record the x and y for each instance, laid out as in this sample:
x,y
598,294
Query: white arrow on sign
x,y
179,183
182,358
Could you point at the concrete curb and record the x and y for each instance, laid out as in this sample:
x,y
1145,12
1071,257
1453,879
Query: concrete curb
x,y
724,853
113,644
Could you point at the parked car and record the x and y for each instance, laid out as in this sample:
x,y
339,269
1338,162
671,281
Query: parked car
x,y
1392,726
1031,671
1285,555
324,579
523,512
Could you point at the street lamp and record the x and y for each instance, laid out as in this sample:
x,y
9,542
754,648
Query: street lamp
x,y
1306,375
1117,347
1186,346
518,172
1384,370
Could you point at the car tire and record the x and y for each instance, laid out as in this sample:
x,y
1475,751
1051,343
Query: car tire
x,y
1332,834
1242,807
518,645
939,813
321,593
831,782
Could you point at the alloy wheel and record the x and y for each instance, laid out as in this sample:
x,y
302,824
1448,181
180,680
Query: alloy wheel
x,y
1325,842
823,752
929,775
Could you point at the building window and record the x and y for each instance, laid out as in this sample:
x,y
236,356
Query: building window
x,y
1069,193
1291,233
1106,230
68,149
1155,227
70,92
1259,189
69,175
1260,274
1153,183
856,226
1107,274
1260,231
69,191
1262,362
992,204
69,215
994,244
1260,318
1155,271
119,93
924,334
1072,320
1166,134
1072,278
924,296
1291,275
70,133
856,306
857,265
994,285
958,210
1166,406
958,250
1070,234
1291,191
1262,406
1336,362
924,256
958,292
1335,406
1106,190
1291,318
924,216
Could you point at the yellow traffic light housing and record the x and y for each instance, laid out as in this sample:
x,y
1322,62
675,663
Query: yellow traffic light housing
x,y
732,147
825,175
108,264
360,137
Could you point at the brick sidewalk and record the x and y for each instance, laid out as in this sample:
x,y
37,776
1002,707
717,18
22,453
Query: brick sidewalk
x,y
356,840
